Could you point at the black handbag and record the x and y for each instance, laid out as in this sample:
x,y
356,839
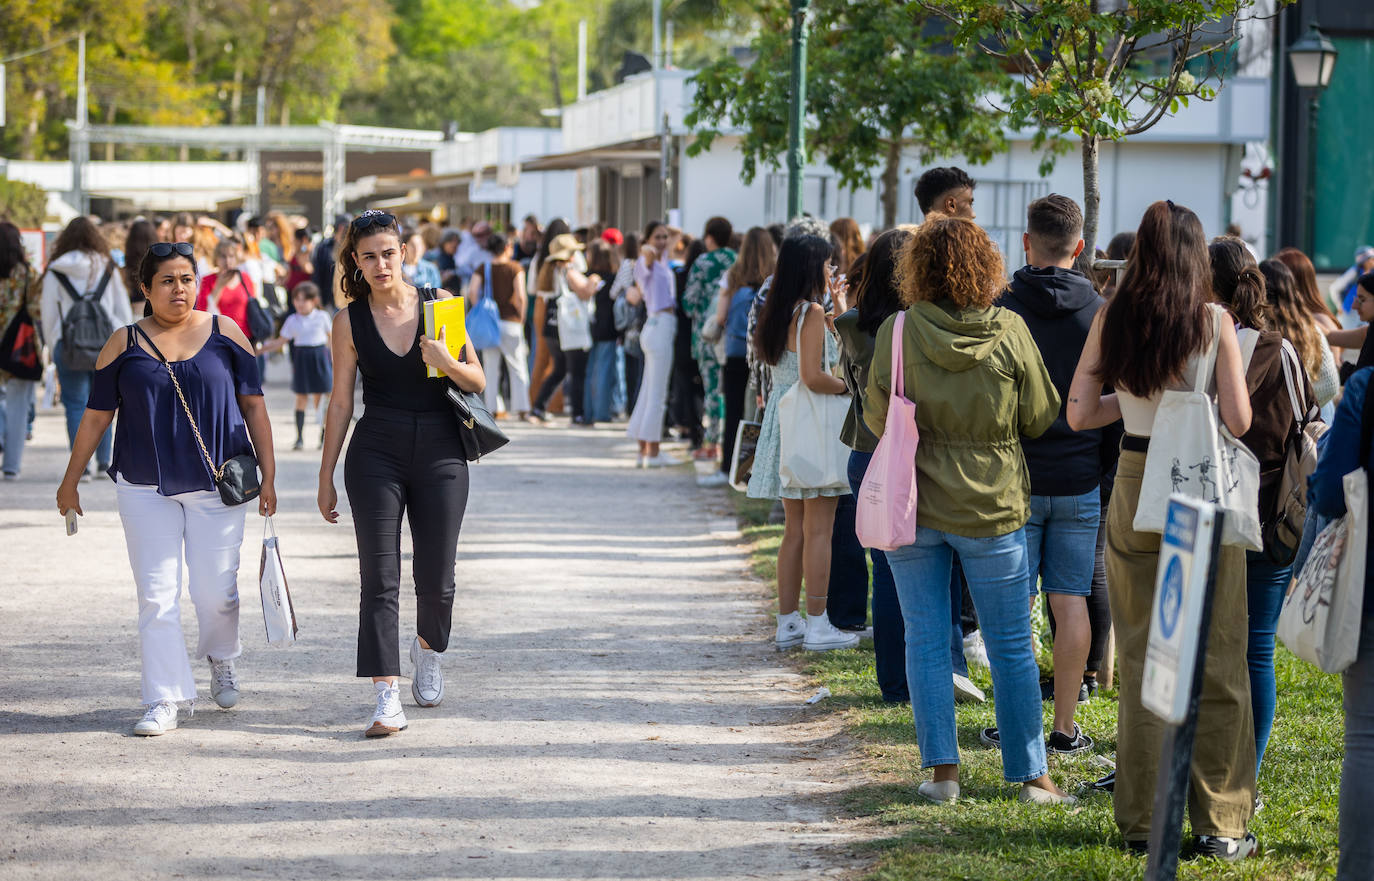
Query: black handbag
x,y
477,430
237,478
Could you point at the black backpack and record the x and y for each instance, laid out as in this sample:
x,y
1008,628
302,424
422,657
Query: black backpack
x,y
86,327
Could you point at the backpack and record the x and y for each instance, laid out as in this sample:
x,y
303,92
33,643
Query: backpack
x,y
86,326
1284,526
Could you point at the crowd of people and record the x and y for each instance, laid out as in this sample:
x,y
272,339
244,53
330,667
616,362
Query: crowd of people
x,y
1035,400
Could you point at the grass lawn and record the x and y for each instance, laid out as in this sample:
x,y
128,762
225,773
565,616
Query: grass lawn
x,y
988,836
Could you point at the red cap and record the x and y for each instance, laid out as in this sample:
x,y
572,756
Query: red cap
x,y
613,236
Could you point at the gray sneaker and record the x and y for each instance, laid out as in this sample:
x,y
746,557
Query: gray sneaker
x,y
224,683
160,718
427,682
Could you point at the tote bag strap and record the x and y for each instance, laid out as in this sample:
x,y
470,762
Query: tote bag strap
x,y
898,370
800,313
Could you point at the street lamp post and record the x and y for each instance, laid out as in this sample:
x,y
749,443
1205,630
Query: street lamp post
x,y
1312,58
796,146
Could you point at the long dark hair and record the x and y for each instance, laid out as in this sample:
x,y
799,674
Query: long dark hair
x,y
798,277
12,253
141,236
557,227
346,265
1237,283
80,235
876,292
1158,317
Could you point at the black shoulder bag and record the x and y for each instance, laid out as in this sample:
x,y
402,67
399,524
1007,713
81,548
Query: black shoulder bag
x,y
237,478
477,429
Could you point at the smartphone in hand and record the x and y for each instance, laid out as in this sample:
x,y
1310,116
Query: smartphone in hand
x,y
71,522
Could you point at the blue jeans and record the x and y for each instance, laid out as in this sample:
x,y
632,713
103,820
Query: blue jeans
x,y
601,382
76,388
996,572
14,420
1265,585
1061,542
889,633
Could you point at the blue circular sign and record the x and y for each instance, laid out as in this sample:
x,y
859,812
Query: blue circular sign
x,y
1171,599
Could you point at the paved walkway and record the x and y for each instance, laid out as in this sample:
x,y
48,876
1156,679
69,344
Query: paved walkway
x,y
613,709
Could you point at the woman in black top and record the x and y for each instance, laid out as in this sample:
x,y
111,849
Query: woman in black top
x,y
405,453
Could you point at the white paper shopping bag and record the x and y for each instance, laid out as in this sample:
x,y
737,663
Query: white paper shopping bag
x,y
277,612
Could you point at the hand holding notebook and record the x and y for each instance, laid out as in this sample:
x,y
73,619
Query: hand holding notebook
x,y
445,328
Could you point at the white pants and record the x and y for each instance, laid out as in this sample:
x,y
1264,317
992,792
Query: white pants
x,y
656,341
516,355
156,529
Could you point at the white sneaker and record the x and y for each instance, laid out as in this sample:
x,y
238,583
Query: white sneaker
x,y
1034,795
427,682
639,462
941,792
965,692
791,631
975,652
822,636
389,717
224,683
715,478
662,460
160,718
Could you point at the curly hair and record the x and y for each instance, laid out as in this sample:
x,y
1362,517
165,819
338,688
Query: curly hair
x,y
950,258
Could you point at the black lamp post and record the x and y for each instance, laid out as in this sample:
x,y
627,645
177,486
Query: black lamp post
x,y
1312,58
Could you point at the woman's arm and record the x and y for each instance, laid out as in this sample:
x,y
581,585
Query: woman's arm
x,y
94,424
466,374
254,410
1088,407
474,291
584,286
1347,339
518,299
1233,395
339,414
812,352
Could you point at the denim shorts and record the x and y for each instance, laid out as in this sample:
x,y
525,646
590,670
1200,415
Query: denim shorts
x,y
1061,542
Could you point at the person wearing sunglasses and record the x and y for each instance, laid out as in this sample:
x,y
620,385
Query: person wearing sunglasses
x,y
175,362
405,455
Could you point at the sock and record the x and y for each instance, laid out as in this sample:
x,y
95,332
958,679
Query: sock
x,y
300,423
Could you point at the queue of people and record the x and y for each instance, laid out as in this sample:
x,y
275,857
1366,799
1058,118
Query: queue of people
x,y
1035,401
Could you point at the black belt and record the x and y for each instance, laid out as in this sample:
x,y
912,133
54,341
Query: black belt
x,y
1135,444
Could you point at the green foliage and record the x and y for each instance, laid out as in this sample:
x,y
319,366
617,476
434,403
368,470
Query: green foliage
x,y
879,79
22,204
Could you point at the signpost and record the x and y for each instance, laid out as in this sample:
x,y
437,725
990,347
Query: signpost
x,y
1172,682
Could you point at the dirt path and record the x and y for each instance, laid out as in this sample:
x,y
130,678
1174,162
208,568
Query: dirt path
x,y
614,709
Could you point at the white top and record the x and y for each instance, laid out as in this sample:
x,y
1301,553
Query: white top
x,y
83,269
307,330
1138,414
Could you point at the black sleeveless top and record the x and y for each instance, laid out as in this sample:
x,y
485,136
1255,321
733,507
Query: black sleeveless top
x,y
390,380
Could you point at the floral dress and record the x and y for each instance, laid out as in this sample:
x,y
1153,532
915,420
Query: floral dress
x,y
699,302
765,481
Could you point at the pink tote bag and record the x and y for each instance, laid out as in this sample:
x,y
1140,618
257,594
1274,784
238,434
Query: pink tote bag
x,y
886,515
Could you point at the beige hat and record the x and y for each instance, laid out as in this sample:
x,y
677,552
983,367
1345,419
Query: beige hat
x,y
564,246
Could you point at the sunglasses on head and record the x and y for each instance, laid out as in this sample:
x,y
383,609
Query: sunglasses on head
x,y
369,219
166,249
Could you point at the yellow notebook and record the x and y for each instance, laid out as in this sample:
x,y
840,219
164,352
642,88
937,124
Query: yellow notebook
x,y
448,314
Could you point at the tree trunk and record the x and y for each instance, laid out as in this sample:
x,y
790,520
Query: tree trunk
x,y
892,177
553,76
1092,194
28,143
110,120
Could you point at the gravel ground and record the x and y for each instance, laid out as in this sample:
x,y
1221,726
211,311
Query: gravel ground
x,y
613,708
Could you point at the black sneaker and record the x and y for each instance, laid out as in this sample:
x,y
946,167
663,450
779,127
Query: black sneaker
x,y
1064,745
991,737
1229,849
1138,847
1105,784
1085,694
1047,689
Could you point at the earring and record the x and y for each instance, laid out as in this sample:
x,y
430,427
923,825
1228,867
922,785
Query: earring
x,y
357,275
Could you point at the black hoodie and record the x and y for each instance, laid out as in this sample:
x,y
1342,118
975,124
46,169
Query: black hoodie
x,y
1058,306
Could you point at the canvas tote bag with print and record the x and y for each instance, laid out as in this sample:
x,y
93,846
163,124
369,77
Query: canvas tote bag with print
x,y
885,515
574,316
1193,453
278,614
1320,619
811,454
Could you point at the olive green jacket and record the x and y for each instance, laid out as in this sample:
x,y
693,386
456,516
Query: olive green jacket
x,y
979,386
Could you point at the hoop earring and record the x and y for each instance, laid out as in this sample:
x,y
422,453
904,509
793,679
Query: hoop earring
x,y
357,275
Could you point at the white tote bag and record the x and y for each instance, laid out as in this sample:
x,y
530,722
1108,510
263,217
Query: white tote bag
x,y
574,317
1193,453
1320,619
278,614
811,454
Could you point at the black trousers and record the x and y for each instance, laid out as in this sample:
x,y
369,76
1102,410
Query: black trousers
x,y
734,385
555,379
399,460
576,361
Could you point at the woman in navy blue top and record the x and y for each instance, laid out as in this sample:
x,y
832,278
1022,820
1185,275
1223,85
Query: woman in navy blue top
x,y
405,455
1347,447
165,491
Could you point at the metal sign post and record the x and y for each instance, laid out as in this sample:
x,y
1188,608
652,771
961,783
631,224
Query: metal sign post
x,y
1181,616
